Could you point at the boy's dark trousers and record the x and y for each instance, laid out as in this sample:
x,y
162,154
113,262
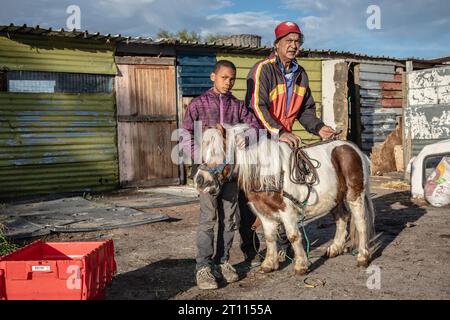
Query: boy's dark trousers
x,y
249,240
224,209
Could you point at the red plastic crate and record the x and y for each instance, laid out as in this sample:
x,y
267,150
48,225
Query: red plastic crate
x,y
58,271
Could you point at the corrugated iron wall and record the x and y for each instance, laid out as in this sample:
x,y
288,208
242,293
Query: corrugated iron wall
x,y
380,101
312,66
55,54
427,115
57,142
193,73
243,65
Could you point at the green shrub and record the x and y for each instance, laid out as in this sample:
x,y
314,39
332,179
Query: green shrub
x,y
5,246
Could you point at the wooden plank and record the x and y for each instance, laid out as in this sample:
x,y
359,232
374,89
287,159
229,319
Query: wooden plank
x,y
146,128
356,107
126,152
145,60
154,90
122,88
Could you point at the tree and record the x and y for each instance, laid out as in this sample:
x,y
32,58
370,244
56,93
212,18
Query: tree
x,y
164,34
212,37
185,35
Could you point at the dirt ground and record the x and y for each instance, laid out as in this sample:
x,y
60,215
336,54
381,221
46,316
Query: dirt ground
x,y
156,261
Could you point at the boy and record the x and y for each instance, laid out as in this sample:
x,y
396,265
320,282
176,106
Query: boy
x,y
217,106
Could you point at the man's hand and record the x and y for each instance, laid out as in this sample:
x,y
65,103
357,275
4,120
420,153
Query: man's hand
x,y
326,132
291,139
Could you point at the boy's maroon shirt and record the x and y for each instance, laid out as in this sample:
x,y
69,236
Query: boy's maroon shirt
x,y
212,108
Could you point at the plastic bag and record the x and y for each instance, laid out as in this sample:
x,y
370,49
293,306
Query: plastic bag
x,y
437,187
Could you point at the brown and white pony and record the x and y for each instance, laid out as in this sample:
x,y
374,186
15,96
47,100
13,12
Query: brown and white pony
x,y
342,188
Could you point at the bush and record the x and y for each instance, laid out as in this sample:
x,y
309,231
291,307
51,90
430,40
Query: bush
x,y
5,246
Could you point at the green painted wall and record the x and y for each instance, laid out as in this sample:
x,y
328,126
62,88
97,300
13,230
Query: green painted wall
x,y
57,142
312,66
56,54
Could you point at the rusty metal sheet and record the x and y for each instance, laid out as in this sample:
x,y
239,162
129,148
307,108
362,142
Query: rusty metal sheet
x,y
376,76
71,215
377,68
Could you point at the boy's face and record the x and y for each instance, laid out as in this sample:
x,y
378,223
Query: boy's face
x,y
223,79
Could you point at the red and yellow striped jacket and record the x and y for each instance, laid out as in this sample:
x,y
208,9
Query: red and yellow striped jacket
x,y
266,95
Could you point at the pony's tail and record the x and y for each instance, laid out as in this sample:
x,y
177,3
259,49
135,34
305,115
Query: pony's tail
x,y
370,227
369,211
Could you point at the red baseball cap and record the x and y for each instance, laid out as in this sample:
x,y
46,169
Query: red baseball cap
x,y
285,28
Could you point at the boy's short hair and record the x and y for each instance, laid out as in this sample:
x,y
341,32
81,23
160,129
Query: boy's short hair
x,y
223,63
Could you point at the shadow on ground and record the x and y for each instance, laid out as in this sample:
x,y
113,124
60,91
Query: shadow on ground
x,y
393,213
163,279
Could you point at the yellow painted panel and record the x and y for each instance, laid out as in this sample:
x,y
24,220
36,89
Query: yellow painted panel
x,y
313,68
52,54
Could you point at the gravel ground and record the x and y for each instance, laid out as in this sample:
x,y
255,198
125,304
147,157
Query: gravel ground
x,y
156,261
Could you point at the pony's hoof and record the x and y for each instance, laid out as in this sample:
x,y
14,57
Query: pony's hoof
x,y
333,251
266,270
301,272
363,263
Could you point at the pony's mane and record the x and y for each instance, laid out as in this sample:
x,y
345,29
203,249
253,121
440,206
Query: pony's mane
x,y
259,165
213,146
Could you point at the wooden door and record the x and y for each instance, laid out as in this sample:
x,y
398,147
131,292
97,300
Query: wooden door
x,y
146,110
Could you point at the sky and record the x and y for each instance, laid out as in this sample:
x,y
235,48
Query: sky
x,y
401,28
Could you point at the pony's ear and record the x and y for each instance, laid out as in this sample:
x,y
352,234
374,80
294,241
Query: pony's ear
x,y
222,130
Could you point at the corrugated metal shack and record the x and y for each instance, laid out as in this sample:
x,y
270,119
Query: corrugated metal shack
x,y
60,91
378,86
57,114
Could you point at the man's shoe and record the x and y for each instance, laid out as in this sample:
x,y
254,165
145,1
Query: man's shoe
x,y
228,272
205,279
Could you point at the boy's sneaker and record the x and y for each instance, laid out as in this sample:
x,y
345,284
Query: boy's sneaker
x,y
228,272
205,279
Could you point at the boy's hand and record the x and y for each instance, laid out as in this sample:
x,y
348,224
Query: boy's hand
x,y
240,142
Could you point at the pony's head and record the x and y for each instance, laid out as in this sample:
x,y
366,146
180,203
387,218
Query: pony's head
x,y
257,166
214,170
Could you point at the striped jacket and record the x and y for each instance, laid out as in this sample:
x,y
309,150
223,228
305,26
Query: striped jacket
x,y
266,95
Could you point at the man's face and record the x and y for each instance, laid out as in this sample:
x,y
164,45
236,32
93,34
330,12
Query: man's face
x,y
288,47
223,79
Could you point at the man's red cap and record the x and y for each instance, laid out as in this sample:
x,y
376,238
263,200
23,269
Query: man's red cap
x,y
285,28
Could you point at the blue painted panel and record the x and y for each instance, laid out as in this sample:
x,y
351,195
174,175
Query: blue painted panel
x,y
193,72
